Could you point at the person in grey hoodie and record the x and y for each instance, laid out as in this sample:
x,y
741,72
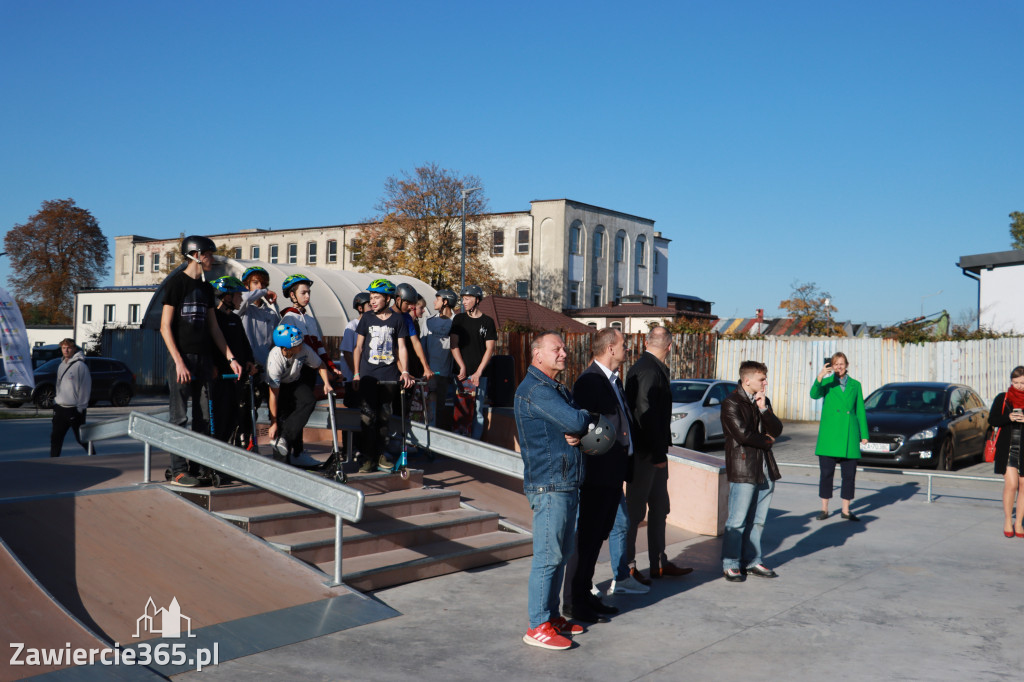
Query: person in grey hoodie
x,y
74,384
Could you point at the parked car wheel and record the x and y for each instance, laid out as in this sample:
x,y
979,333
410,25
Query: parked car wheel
x,y
695,437
946,456
120,396
46,396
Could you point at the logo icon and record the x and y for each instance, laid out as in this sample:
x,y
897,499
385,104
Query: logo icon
x,y
164,622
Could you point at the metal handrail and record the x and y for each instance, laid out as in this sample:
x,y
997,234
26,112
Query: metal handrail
x,y
903,472
114,428
466,449
301,486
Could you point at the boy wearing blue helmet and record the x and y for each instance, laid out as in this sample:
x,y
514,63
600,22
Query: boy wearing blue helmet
x,y
297,289
291,373
381,362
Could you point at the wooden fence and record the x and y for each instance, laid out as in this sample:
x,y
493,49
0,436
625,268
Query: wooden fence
x,y
693,355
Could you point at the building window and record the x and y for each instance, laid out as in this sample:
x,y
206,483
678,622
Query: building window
x,y
108,314
522,288
293,253
355,248
596,295
254,253
657,263
620,248
332,250
574,293
273,253
498,243
574,238
641,252
141,266
133,313
599,244
86,314
238,253
617,325
522,241
311,253
170,258
400,242
156,262
618,294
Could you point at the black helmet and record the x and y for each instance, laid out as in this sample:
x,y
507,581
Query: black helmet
x,y
196,243
598,440
362,298
473,290
406,292
449,297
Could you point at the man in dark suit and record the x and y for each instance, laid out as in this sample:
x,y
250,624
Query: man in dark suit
x,y
649,394
599,389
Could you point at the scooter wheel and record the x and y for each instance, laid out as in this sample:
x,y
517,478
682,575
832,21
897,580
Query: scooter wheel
x,y
404,473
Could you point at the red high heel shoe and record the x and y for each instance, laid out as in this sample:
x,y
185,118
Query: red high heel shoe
x,y
1008,533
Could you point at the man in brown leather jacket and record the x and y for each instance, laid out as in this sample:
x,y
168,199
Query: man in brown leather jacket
x,y
750,428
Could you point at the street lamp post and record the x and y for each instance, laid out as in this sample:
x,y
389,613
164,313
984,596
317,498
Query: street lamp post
x,y
462,279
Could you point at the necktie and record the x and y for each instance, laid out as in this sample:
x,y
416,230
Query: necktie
x,y
625,406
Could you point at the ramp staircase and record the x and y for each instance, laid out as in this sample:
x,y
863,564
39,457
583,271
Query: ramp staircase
x,y
407,532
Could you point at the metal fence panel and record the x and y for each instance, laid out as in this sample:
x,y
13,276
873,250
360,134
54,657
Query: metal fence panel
x,y
144,352
793,363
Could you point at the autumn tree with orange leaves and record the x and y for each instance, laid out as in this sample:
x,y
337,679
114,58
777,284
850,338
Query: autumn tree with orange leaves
x,y
60,249
813,309
418,230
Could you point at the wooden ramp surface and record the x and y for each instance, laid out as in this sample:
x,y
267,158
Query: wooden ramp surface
x,y
32,618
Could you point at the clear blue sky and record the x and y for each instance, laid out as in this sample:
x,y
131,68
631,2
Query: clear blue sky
x,y
864,146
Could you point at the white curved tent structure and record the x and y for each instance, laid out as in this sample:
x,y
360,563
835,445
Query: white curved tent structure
x,y
330,296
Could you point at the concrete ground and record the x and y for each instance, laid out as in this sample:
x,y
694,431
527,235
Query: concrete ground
x,y
915,591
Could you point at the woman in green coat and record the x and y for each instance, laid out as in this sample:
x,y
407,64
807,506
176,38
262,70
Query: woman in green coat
x,y
842,430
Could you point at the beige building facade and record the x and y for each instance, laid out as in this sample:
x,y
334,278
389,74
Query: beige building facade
x,y
563,254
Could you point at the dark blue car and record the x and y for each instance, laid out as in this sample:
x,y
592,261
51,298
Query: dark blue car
x,y
929,424
111,380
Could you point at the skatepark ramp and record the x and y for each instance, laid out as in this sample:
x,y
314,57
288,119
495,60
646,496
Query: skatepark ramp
x,y
304,488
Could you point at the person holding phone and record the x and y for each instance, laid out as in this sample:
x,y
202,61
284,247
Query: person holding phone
x,y
1007,415
843,428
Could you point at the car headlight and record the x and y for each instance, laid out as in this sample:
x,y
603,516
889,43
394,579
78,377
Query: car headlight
x,y
676,416
926,434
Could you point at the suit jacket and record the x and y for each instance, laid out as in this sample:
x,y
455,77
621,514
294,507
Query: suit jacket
x,y
649,394
594,392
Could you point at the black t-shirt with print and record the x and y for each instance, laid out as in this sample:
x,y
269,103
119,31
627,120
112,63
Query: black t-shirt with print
x,y
379,357
192,300
473,335
234,335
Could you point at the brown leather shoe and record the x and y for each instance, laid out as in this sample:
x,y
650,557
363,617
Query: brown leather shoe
x,y
670,570
638,576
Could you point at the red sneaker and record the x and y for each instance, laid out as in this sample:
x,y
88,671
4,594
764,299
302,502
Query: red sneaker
x,y
564,627
545,636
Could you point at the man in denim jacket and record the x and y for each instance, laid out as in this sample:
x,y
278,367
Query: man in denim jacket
x,y
549,426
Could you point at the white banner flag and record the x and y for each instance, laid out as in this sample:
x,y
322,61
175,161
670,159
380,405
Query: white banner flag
x,y
14,342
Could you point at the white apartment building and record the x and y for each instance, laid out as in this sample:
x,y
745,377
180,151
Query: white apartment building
x,y
563,254
118,306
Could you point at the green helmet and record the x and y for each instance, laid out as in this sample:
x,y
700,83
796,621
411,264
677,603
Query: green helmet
x,y
382,286
227,285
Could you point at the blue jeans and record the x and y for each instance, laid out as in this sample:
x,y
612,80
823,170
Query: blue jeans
x,y
748,509
554,537
617,542
478,424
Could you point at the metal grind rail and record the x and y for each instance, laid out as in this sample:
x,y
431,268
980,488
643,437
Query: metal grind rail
x,y
116,428
311,490
903,472
466,449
